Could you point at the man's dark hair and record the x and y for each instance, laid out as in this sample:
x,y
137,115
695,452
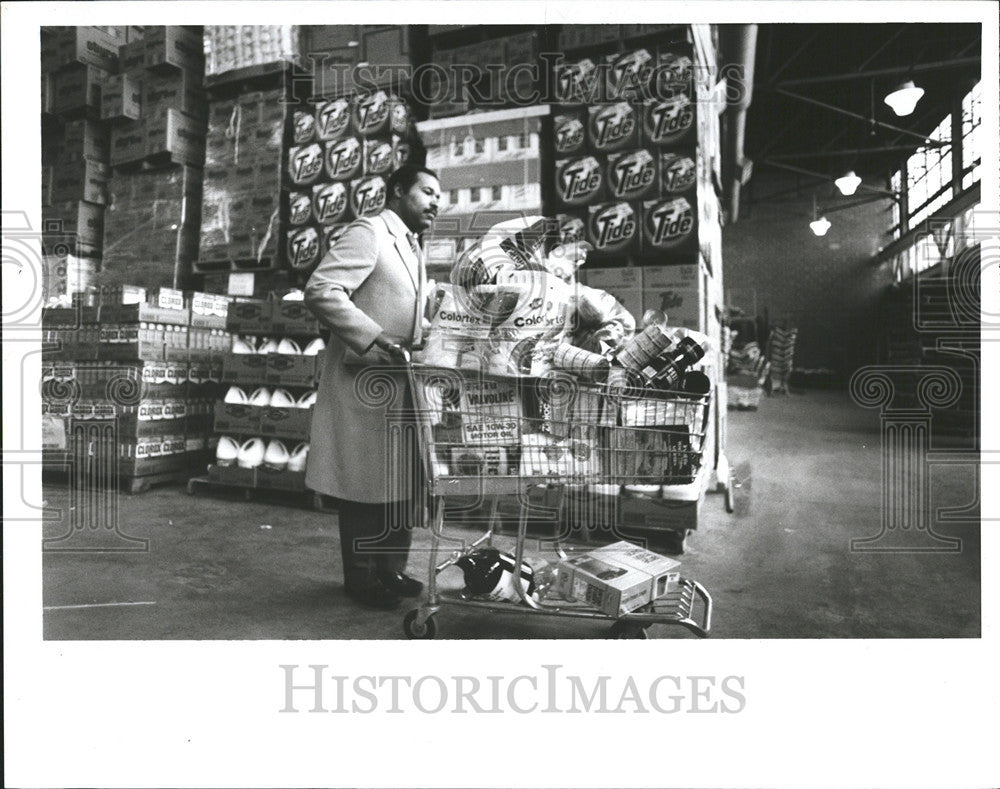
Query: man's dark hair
x,y
405,177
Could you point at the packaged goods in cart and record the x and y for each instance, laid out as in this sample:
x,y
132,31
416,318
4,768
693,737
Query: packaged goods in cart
x,y
478,461
514,298
545,455
661,455
491,408
491,575
498,329
617,579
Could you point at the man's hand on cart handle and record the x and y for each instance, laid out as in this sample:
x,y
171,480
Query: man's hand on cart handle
x,y
392,348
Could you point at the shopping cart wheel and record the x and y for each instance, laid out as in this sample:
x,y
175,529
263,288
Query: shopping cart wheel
x,y
413,630
627,630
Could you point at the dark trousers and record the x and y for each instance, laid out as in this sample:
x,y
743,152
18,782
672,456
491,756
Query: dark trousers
x,y
374,539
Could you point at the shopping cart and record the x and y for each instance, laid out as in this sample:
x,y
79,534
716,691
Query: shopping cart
x,y
485,437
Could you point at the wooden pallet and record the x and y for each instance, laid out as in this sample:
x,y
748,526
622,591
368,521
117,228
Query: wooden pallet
x,y
155,161
126,483
306,499
250,79
224,265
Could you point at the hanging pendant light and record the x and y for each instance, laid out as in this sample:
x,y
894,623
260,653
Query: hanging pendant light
x,y
848,184
904,98
821,225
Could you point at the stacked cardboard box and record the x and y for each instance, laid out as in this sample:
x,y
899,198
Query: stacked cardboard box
x,y
485,75
122,96
127,369
681,291
626,144
346,59
242,188
259,376
76,65
151,226
155,102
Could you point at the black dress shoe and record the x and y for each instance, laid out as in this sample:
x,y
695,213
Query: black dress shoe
x,y
374,595
401,584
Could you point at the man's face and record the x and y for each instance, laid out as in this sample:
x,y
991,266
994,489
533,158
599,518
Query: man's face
x,y
418,206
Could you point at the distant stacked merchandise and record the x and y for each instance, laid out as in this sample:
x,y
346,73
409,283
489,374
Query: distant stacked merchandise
x,y
76,62
500,63
230,47
781,355
339,161
241,199
625,142
155,109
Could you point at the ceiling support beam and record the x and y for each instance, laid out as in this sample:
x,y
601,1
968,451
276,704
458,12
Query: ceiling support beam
x,y
788,61
922,137
854,151
881,72
881,49
828,179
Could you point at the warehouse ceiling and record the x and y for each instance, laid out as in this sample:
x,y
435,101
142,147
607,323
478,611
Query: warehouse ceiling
x,y
800,68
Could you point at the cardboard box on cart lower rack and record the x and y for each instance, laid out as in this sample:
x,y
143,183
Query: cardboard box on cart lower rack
x,y
617,578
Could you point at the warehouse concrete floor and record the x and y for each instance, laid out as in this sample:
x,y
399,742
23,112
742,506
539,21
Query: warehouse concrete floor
x,y
781,566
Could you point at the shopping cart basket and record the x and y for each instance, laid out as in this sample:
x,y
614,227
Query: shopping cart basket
x,y
485,436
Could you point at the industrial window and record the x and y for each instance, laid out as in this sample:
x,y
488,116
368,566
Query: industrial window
x,y
972,116
929,176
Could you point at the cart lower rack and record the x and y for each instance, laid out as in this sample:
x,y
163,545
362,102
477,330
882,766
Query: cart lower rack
x,y
487,436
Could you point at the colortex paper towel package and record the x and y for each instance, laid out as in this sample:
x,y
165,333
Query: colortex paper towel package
x,y
618,578
509,302
510,328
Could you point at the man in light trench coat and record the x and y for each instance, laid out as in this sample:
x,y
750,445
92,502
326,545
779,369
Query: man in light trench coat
x,y
369,291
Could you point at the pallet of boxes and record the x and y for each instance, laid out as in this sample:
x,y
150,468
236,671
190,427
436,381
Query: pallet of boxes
x,y
127,375
262,420
128,388
76,65
155,109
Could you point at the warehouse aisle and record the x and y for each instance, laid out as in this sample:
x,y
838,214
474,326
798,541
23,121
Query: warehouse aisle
x,y
780,567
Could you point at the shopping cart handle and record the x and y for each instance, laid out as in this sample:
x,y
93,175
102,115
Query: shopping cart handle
x,y
398,351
